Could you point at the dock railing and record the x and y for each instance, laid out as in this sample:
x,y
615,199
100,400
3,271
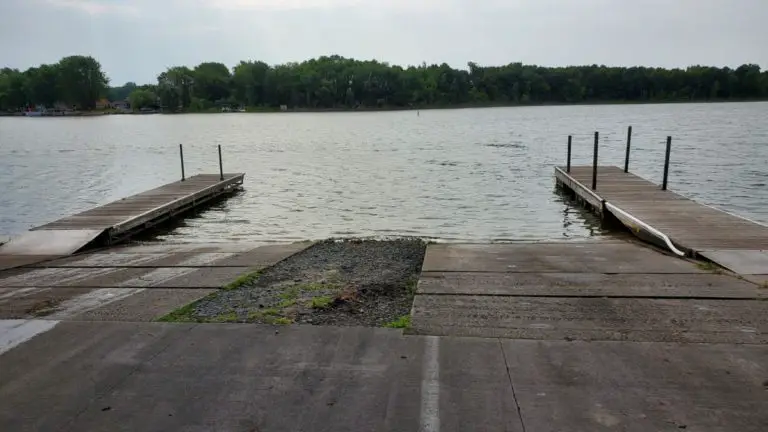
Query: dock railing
x,y
595,150
616,211
181,157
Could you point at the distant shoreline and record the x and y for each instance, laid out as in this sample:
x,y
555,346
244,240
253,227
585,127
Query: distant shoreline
x,y
269,110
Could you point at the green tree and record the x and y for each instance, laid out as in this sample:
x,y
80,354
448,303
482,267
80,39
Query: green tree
x,y
141,98
212,81
248,83
42,85
13,86
81,81
335,81
122,92
174,87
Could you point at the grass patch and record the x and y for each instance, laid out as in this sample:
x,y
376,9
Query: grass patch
x,y
183,314
261,314
269,316
710,267
321,302
228,317
291,293
404,322
318,286
412,286
245,279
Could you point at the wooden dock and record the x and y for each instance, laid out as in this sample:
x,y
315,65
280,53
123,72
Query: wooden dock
x,y
697,229
118,220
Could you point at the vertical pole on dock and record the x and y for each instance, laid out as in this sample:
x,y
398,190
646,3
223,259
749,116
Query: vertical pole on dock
x,y
568,163
181,155
626,157
221,166
594,162
666,163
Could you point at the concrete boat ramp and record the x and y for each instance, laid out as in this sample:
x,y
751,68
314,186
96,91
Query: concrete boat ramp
x,y
594,336
526,337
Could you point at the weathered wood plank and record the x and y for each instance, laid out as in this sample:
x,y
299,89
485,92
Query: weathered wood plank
x,y
128,213
113,222
689,224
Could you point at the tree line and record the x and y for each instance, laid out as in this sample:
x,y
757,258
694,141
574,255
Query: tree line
x,y
75,81
334,82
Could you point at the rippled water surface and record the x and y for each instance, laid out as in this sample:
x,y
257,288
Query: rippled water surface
x,y
470,175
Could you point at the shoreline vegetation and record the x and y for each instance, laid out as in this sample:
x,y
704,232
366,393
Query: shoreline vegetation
x,y
270,110
76,85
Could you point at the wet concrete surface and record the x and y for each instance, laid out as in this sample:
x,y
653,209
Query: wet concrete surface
x,y
639,387
636,319
570,257
590,285
157,377
616,291
562,340
12,261
93,285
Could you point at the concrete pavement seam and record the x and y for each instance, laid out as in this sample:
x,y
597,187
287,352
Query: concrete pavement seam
x,y
430,386
511,385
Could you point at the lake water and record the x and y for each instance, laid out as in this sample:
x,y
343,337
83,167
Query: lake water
x,y
462,175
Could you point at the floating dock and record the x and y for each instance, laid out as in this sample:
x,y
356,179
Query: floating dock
x,y
669,219
114,222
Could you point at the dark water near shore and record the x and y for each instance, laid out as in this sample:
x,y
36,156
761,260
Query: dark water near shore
x,y
467,175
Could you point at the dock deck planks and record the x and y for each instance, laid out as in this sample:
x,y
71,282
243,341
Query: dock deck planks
x,y
119,219
127,213
691,225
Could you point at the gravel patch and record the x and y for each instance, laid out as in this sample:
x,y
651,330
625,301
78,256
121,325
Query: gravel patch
x,y
350,282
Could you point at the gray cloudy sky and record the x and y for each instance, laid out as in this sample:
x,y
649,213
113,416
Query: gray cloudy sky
x,y
136,39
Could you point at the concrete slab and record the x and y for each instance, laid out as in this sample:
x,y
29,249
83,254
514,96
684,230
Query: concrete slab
x,y
570,257
98,304
475,391
46,381
760,280
65,292
215,277
33,302
639,387
152,377
164,257
172,269
134,260
642,320
49,242
146,305
12,261
167,247
590,285
16,332
743,262
108,376
109,276
263,256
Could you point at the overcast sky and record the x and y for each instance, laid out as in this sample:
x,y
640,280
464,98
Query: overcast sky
x,y
136,39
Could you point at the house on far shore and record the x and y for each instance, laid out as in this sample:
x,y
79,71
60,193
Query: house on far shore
x,y
103,103
121,105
